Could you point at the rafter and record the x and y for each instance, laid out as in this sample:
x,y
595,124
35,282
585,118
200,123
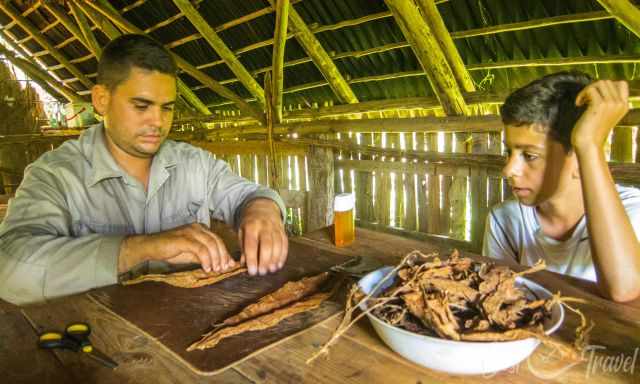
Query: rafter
x,y
40,39
429,54
112,32
432,16
85,29
625,12
221,49
280,38
69,24
320,57
42,78
183,64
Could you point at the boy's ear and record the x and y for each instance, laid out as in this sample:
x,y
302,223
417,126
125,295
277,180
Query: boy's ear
x,y
100,97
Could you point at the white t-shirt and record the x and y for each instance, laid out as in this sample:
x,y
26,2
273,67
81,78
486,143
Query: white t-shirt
x,y
513,234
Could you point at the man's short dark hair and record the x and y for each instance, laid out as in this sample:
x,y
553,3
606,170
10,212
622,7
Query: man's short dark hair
x,y
550,102
127,51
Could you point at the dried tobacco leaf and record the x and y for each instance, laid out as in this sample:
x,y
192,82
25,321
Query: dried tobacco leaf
x,y
189,279
265,321
288,293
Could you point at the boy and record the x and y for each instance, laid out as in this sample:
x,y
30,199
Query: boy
x,y
567,211
122,198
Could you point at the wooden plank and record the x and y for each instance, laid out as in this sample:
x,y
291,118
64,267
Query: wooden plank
x,y
423,202
409,186
478,194
218,45
429,54
488,123
262,169
321,188
320,58
19,341
140,357
494,193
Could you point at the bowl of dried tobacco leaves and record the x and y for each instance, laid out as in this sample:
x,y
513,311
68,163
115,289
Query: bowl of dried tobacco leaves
x,y
458,315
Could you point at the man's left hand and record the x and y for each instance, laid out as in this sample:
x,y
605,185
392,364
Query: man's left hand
x,y
262,237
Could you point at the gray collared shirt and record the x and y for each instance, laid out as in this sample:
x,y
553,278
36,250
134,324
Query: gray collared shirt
x,y
63,230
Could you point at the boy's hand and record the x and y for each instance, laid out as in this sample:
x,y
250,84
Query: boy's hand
x,y
262,236
607,102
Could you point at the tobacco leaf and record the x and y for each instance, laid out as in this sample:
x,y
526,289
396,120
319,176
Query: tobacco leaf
x,y
265,321
189,279
288,293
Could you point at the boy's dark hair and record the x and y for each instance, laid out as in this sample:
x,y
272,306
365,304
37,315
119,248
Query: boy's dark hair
x,y
549,101
127,51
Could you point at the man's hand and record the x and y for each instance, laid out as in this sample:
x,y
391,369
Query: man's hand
x,y
191,243
262,237
607,102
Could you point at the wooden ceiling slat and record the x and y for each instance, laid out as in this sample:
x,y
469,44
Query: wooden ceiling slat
x,y
625,12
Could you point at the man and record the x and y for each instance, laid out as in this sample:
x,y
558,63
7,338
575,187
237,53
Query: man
x,y
122,198
568,210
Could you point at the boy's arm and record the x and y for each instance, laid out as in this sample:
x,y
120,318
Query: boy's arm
x,y
614,246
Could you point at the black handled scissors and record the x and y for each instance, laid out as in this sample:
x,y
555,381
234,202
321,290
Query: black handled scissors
x,y
74,338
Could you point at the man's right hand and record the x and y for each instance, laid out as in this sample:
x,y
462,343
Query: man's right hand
x,y
191,243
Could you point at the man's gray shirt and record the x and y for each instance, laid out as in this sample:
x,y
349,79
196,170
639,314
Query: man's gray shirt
x,y
63,230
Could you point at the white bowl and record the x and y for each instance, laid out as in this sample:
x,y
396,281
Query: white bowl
x,y
457,357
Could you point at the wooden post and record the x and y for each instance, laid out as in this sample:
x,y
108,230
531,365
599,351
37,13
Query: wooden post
x,y
25,24
319,206
625,12
202,26
279,41
478,194
273,167
320,57
428,52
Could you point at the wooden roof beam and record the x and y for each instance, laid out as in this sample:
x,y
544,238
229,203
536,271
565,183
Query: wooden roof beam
x,y
121,22
280,38
40,77
89,38
221,49
112,32
70,25
40,39
320,57
433,18
429,54
625,12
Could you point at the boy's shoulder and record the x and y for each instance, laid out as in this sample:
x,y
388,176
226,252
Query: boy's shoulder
x,y
508,209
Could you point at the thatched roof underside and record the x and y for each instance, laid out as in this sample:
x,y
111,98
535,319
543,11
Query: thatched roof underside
x,y
372,54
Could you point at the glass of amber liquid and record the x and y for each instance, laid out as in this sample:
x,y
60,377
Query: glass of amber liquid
x,y
344,231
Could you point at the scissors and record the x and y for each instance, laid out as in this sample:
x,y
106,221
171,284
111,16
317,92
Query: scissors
x,y
74,338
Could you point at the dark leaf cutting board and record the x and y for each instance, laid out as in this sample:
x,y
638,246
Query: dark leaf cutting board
x,y
177,317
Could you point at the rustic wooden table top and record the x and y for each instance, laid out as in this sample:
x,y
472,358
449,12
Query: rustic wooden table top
x,y
358,357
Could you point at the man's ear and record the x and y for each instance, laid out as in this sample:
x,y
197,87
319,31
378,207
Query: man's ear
x,y
100,97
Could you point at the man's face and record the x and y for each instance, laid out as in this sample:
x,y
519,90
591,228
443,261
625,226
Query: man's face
x,y
538,168
138,112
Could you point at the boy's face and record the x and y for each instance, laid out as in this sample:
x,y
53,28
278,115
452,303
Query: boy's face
x,y
538,168
138,112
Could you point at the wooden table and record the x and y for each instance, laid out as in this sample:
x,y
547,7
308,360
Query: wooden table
x,y
358,357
